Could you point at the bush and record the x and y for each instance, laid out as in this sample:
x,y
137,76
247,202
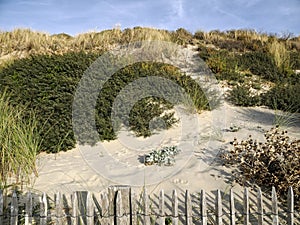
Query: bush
x,y
284,96
19,144
241,96
260,63
47,85
273,163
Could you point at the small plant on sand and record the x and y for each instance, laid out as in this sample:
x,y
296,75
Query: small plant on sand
x,y
164,156
19,145
273,163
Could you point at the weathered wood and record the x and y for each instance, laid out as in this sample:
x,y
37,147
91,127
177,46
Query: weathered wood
x,y
290,204
232,207
188,209
146,207
28,209
58,209
274,207
74,199
218,211
246,206
43,209
162,208
105,217
203,208
133,212
90,209
260,210
14,209
174,208
1,206
125,194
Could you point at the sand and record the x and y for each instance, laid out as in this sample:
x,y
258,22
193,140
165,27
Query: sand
x,y
197,165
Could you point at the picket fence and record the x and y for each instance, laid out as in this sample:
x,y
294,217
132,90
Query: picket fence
x,y
121,206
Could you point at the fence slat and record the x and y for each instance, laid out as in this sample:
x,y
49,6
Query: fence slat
x,y
162,207
106,218
146,207
274,207
133,211
232,208
14,209
74,199
290,203
119,210
203,208
43,209
90,209
218,208
174,208
260,210
188,208
58,209
1,207
28,209
246,206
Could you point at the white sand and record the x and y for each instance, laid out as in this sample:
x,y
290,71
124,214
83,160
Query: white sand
x,y
117,162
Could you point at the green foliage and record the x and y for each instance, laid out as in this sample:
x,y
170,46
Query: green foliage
x,y
19,143
47,84
284,96
164,156
241,96
147,110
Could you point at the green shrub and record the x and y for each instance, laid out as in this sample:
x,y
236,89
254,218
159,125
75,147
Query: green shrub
x,y
260,63
284,97
241,96
47,84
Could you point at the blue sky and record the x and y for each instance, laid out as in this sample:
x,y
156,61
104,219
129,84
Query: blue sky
x,y
78,16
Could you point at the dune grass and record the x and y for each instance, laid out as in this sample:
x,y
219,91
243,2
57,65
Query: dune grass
x,y
19,145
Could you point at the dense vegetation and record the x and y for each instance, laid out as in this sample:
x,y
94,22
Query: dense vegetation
x,y
47,84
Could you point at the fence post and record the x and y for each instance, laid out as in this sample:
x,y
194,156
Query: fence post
x,y
274,207
28,209
146,207
174,208
1,207
119,210
260,210
162,207
232,208
188,208
125,194
203,208
14,209
58,209
218,208
90,209
43,209
246,206
74,199
133,209
106,218
290,202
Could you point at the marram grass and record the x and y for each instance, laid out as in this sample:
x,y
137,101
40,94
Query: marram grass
x,y
19,144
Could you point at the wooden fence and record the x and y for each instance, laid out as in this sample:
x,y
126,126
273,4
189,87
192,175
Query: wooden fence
x,y
120,205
